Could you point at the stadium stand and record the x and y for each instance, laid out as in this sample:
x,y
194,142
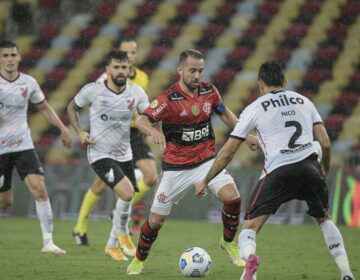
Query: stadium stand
x,y
316,40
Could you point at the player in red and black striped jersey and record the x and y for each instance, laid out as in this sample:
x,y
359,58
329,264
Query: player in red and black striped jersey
x,y
186,124
185,110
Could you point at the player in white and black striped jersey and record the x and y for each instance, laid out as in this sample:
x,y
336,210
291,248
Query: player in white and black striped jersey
x,y
297,154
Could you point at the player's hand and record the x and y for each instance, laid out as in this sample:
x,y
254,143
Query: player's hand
x,y
200,188
84,138
252,142
66,137
158,138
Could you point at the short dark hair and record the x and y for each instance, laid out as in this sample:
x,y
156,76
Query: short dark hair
x,y
126,40
271,73
190,53
4,44
116,55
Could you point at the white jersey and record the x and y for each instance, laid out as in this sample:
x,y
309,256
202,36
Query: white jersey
x,y
14,99
283,121
110,117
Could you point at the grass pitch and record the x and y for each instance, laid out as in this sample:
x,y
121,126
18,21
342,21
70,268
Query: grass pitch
x,y
286,252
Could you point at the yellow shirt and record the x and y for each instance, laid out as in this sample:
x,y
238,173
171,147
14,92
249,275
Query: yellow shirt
x,y
140,79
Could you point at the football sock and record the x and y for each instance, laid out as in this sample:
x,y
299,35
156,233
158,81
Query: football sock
x,y
45,216
146,239
335,244
87,205
143,189
231,218
247,243
123,211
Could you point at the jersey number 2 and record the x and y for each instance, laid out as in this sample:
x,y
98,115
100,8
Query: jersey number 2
x,y
296,135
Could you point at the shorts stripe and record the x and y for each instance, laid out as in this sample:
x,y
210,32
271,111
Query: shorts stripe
x,y
256,196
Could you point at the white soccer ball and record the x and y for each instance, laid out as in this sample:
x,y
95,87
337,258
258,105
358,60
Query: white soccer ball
x,y
195,262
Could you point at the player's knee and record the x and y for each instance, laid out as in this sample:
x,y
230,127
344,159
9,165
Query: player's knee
x,y
98,187
156,222
228,193
151,179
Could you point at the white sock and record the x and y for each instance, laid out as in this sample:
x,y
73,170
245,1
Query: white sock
x,y
45,216
247,243
335,244
138,174
120,221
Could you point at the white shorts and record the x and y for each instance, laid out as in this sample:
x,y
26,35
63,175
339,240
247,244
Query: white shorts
x,y
173,186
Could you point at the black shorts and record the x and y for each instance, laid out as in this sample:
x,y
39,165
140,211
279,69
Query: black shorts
x,y
112,171
139,148
302,180
26,162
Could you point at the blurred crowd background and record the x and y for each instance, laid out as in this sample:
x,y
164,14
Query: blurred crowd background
x,y
63,44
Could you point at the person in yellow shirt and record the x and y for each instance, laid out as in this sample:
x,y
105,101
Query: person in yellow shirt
x,y
146,172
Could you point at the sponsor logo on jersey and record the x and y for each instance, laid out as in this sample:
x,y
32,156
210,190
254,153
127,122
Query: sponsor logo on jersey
x,y
183,114
175,97
195,110
123,118
154,104
207,108
11,107
206,90
282,100
104,117
190,135
159,109
12,142
297,149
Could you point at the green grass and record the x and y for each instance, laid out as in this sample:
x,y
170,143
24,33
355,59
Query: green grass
x,y
287,252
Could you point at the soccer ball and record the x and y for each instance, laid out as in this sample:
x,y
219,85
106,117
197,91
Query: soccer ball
x,y
195,262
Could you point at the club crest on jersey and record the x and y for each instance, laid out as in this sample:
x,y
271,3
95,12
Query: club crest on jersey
x,y
24,93
207,108
154,104
131,103
195,110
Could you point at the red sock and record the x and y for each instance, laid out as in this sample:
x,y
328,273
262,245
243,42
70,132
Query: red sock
x,y
231,218
146,239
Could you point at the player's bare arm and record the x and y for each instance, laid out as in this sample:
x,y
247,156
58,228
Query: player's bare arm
x,y
222,159
228,118
53,118
73,114
146,127
322,137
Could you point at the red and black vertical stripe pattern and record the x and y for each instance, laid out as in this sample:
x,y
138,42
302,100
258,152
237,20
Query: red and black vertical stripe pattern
x,y
146,239
231,218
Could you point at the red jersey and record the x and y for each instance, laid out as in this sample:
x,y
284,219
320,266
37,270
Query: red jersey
x,y
186,124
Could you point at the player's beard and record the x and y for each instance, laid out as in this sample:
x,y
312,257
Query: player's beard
x,y
192,85
119,81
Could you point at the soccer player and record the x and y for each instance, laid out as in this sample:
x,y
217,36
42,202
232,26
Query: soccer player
x,y
112,106
295,164
185,110
142,157
16,146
